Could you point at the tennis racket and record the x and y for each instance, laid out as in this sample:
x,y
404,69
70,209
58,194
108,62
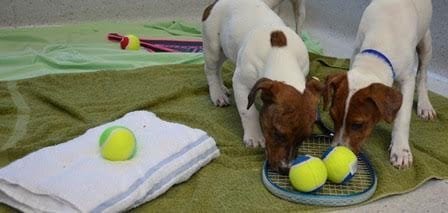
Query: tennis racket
x,y
360,188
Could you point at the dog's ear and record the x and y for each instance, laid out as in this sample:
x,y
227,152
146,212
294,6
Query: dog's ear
x,y
315,87
313,91
265,85
332,83
386,99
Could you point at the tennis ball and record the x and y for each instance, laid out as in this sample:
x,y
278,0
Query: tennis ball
x,y
341,164
307,173
117,143
130,42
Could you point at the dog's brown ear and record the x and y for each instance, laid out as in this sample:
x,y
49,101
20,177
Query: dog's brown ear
x,y
313,91
315,87
265,85
387,99
332,83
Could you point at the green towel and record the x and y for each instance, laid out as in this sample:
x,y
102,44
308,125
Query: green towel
x,y
48,110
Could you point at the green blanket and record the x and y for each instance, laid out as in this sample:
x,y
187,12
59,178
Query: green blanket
x,y
35,51
48,110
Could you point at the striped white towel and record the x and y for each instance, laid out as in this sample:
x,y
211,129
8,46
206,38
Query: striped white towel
x,y
73,177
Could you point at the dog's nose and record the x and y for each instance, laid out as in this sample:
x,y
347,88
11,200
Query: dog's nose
x,y
283,170
334,143
337,141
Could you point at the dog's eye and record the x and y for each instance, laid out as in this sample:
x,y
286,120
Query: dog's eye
x,y
357,126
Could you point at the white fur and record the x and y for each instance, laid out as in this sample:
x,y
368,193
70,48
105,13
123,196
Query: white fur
x,y
397,28
240,31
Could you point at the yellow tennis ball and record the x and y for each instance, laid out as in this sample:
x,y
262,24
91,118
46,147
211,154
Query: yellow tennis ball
x,y
341,164
130,42
117,143
307,173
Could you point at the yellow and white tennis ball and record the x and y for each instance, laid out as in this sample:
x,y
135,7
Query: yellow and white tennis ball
x,y
341,164
118,143
307,173
130,42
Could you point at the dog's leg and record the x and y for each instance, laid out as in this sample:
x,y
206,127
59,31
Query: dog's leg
x,y
214,58
424,51
298,7
253,136
400,152
274,5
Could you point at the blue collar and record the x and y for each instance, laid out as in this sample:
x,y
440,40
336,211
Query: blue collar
x,y
381,56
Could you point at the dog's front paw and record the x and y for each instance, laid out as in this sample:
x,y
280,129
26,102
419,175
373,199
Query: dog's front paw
x,y
426,111
254,140
225,89
400,156
219,97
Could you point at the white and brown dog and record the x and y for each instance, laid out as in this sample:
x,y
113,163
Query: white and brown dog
x,y
269,57
392,34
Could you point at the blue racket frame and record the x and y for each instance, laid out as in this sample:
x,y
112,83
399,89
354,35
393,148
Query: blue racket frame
x,y
320,199
323,199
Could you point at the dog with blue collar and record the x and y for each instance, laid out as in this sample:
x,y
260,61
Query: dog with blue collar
x,y
381,81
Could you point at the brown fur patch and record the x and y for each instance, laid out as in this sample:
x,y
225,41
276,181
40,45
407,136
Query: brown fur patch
x,y
278,39
207,11
361,118
286,118
367,107
336,90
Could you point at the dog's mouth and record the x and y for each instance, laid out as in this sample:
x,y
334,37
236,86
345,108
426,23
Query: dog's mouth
x,y
284,170
353,145
280,158
281,167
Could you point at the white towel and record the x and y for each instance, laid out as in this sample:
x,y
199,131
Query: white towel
x,y
73,177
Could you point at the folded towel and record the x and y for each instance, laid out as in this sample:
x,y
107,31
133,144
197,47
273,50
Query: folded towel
x,y
73,177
